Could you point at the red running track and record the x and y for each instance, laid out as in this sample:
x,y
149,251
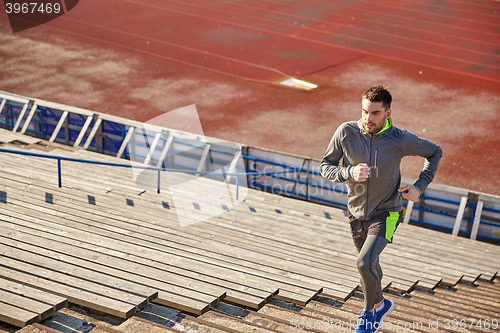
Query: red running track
x,y
267,40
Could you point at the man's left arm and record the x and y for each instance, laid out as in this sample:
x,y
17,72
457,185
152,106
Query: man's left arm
x,y
416,146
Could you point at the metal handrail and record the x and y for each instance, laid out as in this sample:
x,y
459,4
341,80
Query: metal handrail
x,y
281,165
237,175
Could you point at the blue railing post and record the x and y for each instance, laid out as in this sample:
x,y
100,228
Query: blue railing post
x,y
59,171
254,177
11,114
42,124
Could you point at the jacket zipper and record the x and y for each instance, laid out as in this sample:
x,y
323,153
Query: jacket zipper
x,y
368,180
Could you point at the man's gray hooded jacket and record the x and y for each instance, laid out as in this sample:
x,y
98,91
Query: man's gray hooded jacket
x,y
383,153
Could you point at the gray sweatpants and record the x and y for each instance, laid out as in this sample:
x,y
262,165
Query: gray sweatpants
x,y
370,270
370,238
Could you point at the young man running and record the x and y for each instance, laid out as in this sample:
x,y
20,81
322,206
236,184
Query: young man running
x,y
371,150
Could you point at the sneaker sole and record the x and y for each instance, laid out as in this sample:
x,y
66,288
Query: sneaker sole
x,y
385,315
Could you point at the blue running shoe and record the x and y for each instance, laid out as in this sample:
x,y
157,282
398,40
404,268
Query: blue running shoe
x,y
382,313
366,322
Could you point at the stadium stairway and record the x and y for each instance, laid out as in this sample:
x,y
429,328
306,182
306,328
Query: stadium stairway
x,y
102,243
443,310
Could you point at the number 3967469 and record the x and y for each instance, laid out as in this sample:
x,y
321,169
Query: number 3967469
x,y
33,8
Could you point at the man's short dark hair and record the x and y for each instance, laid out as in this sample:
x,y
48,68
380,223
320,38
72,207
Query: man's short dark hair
x,y
379,94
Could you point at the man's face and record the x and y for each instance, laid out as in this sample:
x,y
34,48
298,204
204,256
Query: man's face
x,y
374,116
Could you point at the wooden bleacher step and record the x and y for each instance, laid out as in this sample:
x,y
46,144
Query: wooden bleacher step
x,y
21,305
408,255
76,291
428,283
320,315
36,256
46,170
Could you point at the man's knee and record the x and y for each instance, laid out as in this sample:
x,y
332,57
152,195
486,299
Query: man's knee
x,y
364,265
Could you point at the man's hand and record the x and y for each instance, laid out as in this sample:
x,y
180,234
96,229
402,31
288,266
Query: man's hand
x,y
361,172
409,192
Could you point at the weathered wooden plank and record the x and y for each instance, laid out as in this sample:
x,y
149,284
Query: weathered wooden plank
x,y
41,309
121,289
36,265
16,316
111,267
55,301
74,295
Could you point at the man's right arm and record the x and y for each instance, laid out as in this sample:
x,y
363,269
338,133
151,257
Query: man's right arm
x,y
330,164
